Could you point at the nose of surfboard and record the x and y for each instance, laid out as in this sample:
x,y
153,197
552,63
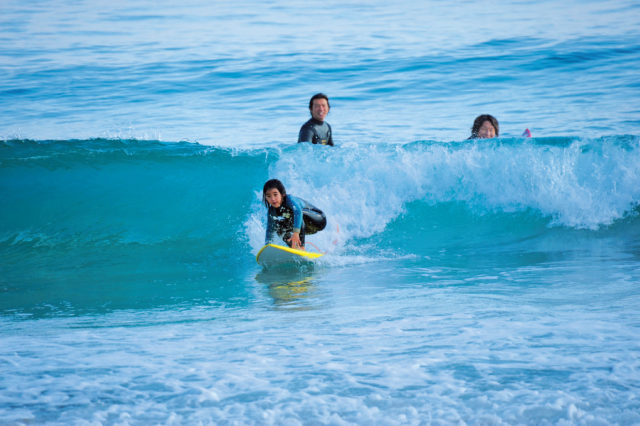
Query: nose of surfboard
x,y
273,254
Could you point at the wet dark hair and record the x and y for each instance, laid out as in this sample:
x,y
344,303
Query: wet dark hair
x,y
270,184
318,96
477,123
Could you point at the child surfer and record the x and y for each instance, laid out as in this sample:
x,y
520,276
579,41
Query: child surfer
x,y
289,217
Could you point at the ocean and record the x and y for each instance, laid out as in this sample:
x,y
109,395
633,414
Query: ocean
x,y
464,282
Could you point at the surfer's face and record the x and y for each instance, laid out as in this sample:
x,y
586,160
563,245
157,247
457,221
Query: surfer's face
x,y
486,130
273,197
320,109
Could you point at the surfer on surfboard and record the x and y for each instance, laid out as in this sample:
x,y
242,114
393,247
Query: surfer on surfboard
x,y
289,217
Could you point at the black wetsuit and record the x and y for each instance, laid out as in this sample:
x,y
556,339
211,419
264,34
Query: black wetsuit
x,y
294,215
314,131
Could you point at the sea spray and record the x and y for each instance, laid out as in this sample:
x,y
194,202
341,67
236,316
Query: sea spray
x,y
574,183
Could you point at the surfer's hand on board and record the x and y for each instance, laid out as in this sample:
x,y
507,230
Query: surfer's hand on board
x,y
295,241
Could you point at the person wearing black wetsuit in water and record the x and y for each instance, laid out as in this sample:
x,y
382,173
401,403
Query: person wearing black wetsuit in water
x,y
289,217
316,130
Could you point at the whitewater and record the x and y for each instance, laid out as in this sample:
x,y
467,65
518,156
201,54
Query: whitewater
x,y
464,281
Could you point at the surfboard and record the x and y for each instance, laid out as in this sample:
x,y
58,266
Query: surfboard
x,y
273,255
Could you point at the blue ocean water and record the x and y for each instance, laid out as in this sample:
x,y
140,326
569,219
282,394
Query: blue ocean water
x,y
465,281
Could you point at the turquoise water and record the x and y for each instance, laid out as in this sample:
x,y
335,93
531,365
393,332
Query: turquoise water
x,y
465,282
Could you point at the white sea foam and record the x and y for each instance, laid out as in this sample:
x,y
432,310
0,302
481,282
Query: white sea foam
x,y
361,188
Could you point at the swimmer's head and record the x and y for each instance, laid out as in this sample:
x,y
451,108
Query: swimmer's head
x,y
485,126
319,106
273,193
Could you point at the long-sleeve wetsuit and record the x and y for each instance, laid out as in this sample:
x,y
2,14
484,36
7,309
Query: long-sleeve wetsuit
x,y
290,217
317,132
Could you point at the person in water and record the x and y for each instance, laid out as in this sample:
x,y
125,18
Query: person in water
x,y
316,130
289,217
485,126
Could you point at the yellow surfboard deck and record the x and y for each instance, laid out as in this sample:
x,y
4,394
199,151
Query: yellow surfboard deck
x,y
272,254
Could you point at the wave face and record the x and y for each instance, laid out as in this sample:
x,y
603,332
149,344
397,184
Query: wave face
x,y
121,196
110,192
121,218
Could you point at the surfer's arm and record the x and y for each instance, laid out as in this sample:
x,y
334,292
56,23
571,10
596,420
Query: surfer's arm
x,y
306,133
296,207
